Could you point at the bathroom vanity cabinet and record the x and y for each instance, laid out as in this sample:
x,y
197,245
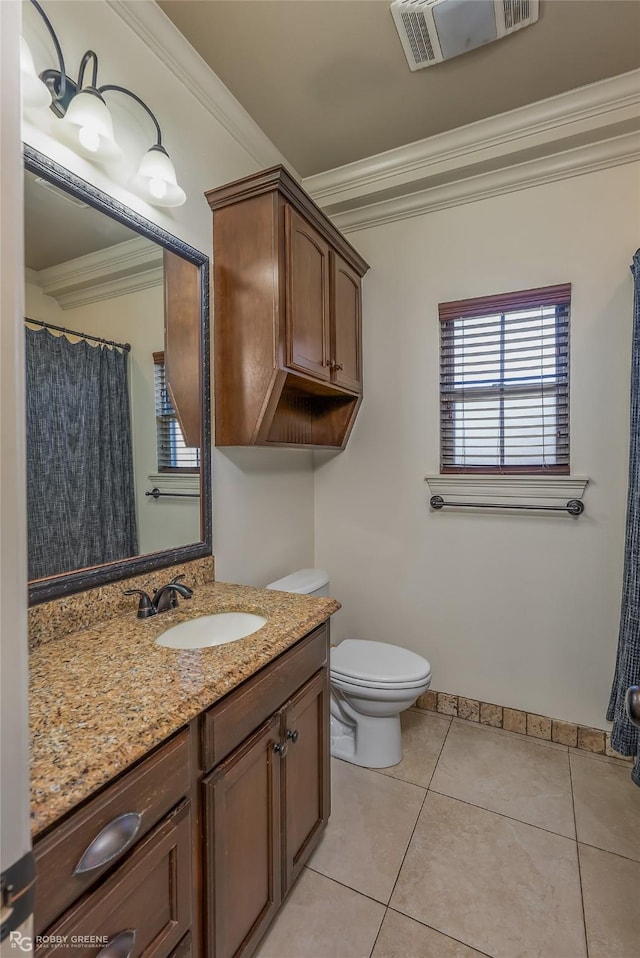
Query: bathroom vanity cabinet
x,y
121,866
267,801
288,317
191,851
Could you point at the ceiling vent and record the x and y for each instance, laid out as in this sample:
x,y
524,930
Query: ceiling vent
x,y
436,30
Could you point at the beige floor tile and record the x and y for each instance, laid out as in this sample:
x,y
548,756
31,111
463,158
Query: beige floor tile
x,y
607,806
516,736
402,937
595,757
610,887
499,885
372,817
511,775
322,919
422,736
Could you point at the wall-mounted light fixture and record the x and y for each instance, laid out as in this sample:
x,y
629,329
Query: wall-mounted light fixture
x,y
86,124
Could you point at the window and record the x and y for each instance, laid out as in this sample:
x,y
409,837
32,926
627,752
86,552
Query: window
x,y
504,383
173,454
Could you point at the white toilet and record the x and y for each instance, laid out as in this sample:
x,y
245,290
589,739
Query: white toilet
x,y
371,683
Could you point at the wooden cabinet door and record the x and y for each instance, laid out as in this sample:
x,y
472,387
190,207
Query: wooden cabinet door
x,y
243,866
142,911
346,325
307,298
78,851
306,783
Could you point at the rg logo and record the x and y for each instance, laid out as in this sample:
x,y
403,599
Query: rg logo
x,y
20,941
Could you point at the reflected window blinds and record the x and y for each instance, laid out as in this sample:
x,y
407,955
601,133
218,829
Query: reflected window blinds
x,y
173,454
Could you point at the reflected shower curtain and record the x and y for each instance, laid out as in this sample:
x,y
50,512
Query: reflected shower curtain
x,y
625,737
80,493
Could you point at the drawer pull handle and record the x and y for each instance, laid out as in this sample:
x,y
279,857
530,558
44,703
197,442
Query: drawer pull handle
x,y
280,748
293,735
121,946
111,842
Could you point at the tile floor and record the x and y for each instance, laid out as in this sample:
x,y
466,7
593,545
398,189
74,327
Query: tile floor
x,y
481,842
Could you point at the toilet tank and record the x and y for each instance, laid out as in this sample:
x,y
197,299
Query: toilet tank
x,y
304,582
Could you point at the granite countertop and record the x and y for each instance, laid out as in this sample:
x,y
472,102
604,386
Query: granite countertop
x,y
102,697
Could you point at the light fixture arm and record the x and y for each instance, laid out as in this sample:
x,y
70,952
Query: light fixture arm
x,y
58,82
86,123
58,94
89,55
121,89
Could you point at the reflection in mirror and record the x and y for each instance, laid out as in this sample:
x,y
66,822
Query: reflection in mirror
x,y
115,381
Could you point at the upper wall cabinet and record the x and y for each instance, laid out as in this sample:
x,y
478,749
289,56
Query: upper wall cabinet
x,y
288,317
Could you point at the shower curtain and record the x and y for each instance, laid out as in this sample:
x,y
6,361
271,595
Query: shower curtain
x,y
625,737
80,492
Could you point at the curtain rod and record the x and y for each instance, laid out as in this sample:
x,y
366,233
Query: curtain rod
x,y
73,332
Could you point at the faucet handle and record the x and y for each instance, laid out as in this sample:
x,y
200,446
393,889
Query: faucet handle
x,y
145,606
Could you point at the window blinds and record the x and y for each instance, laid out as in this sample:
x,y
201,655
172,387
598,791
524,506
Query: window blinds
x,y
504,383
173,454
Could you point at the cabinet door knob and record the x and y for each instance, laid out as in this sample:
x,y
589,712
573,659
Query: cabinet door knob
x,y
280,748
121,946
293,735
337,366
111,842
327,362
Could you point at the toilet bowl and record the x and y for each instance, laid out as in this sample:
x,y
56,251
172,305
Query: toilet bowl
x,y
371,684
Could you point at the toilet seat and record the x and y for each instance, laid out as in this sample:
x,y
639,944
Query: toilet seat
x,y
367,664
346,682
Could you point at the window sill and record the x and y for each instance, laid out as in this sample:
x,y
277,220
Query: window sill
x,y
175,482
536,490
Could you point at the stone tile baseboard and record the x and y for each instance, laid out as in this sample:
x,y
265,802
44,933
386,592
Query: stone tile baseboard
x,y
526,723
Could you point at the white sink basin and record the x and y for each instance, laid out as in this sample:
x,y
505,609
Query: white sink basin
x,y
209,630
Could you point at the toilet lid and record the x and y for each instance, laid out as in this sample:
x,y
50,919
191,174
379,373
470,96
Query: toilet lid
x,y
378,663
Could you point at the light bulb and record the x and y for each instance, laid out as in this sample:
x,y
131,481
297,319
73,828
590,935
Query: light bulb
x,y
87,126
90,139
34,92
155,180
157,187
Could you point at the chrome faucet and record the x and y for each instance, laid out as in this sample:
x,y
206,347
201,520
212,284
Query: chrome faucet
x,y
166,597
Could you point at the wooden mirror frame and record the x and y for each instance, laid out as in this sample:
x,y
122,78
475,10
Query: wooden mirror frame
x,y
42,590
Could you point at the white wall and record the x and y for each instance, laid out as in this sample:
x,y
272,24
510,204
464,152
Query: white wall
x,y
205,155
14,730
512,609
268,534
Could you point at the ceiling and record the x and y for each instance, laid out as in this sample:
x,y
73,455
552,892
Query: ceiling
x,y
58,227
328,81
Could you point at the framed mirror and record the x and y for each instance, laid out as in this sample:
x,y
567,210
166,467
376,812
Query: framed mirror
x,y
118,389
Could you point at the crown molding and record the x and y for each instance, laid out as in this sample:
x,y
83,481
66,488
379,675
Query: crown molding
x,y
585,159
124,268
111,289
588,112
162,37
31,276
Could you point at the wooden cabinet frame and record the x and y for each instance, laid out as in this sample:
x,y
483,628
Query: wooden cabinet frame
x,y
288,317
